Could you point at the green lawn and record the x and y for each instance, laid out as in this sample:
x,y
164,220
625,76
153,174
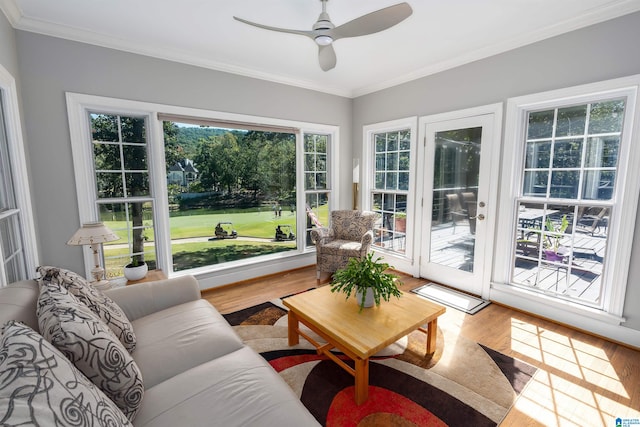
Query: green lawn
x,y
201,224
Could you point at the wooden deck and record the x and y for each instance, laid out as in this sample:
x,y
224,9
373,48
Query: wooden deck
x,y
577,276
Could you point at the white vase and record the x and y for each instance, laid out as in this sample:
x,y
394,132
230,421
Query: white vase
x,y
369,300
136,273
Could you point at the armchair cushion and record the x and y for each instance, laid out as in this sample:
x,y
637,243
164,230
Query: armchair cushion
x,y
351,225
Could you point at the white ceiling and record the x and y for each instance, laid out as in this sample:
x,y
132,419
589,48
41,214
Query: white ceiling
x,y
440,34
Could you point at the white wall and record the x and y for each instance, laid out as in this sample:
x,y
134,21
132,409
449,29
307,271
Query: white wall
x,y
49,67
600,52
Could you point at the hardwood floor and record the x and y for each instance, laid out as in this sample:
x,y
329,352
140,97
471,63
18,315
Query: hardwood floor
x,y
582,380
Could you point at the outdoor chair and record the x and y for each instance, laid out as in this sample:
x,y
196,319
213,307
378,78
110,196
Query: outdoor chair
x,y
455,209
349,235
591,221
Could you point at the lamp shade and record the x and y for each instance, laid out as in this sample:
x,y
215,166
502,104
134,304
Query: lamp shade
x,y
92,232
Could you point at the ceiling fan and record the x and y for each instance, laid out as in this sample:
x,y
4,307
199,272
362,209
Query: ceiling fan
x,y
324,33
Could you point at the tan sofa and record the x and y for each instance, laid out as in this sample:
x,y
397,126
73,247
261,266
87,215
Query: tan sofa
x,y
196,370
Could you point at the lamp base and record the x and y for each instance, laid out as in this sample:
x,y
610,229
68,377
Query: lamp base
x,y
101,285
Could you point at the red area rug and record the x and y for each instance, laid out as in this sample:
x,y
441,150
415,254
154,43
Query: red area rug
x,y
462,384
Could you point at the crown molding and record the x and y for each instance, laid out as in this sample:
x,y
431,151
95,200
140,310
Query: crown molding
x,y
11,11
89,37
596,15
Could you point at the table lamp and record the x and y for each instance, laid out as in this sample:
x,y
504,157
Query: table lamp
x,y
94,234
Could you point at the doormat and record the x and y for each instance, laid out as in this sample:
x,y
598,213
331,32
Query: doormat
x,y
451,298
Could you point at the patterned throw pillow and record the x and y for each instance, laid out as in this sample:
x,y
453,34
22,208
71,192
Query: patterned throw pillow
x,y
92,347
39,386
99,303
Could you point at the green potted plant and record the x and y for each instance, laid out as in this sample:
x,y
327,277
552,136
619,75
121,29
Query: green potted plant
x,y
400,219
553,249
137,269
366,278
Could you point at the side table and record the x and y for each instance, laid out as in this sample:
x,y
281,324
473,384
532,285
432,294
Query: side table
x,y
152,275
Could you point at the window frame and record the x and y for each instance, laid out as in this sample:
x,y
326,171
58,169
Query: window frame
x,y
404,262
330,170
79,104
19,172
624,200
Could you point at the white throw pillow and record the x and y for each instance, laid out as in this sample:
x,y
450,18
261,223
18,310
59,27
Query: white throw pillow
x,y
39,386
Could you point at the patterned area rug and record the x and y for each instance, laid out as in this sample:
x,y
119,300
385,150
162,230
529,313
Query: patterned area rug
x,y
462,384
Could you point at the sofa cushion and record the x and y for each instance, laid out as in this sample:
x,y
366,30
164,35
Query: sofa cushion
x,y
18,302
103,306
94,349
237,389
178,338
39,386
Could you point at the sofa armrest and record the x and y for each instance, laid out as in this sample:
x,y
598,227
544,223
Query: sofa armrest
x,y
142,299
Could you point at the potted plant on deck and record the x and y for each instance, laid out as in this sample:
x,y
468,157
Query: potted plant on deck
x,y
367,279
400,221
553,250
137,269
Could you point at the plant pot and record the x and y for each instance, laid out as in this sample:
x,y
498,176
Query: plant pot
x,y
369,300
401,225
136,273
550,255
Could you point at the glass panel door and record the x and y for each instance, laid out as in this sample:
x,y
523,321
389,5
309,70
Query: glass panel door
x,y
456,198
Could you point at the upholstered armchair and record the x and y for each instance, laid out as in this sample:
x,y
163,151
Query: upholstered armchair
x,y
350,235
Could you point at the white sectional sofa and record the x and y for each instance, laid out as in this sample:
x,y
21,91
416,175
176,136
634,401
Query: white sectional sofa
x,y
195,369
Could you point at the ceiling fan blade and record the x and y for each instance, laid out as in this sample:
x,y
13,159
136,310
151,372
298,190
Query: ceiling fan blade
x,y
327,57
373,22
281,30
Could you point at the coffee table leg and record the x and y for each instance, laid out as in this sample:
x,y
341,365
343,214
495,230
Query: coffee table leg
x,y
362,381
432,333
293,328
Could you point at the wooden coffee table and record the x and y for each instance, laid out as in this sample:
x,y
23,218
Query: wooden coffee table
x,y
359,335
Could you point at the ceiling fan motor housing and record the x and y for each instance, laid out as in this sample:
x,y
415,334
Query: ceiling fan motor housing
x,y
322,29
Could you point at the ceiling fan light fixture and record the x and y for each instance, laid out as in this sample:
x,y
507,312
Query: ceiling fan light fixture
x,y
324,40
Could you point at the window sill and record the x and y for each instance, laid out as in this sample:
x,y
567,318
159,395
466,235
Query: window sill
x,y
547,306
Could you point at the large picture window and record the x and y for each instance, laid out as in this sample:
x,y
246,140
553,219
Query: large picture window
x,y
231,193
197,193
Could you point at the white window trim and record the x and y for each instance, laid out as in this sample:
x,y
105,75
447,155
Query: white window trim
x,y
404,262
19,169
77,107
626,196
